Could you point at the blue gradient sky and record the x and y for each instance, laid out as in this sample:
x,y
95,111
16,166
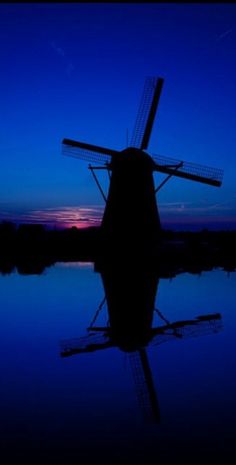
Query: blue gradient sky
x,y
77,71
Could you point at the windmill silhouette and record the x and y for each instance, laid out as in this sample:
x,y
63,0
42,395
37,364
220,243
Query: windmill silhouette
x,y
130,297
131,213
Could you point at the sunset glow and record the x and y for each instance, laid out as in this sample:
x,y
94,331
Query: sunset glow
x,y
61,217
178,215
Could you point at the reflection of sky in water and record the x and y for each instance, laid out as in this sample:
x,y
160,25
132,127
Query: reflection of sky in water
x,y
86,404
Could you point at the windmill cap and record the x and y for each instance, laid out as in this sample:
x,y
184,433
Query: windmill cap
x,y
132,155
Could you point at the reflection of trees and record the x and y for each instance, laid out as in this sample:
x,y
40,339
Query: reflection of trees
x,y
31,247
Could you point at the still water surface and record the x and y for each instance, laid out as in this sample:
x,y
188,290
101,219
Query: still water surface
x,y
85,408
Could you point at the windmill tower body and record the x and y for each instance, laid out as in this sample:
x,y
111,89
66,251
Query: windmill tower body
x,y
130,294
131,217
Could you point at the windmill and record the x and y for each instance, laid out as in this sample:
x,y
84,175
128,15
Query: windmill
x,y
130,296
131,213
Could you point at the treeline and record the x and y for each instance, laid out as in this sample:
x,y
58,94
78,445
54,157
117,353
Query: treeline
x,y
31,248
200,251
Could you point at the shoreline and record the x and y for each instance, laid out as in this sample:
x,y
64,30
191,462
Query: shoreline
x,y
31,248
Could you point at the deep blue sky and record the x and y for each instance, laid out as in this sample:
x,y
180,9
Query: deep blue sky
x,y
77,71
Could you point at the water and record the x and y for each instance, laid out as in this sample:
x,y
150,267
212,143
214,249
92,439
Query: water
x,y
85,408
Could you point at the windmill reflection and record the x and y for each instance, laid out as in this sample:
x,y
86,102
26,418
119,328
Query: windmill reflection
x,y
130,294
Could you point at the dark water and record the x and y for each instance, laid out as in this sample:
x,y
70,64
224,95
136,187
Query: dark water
x,y
86,408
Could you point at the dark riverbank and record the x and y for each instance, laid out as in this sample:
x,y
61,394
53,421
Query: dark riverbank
x,y
32,248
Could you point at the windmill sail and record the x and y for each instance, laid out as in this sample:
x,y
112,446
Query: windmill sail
x,y
201,325
146,112
187,170
89,343
144,384
100,338
171,166
87,152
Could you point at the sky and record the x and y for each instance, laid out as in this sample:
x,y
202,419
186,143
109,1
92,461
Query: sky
x,y
77,70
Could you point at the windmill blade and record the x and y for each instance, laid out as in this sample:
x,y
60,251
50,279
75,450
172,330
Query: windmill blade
x,y
146,112
201,325
187,170
145,389
89,343
87,152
